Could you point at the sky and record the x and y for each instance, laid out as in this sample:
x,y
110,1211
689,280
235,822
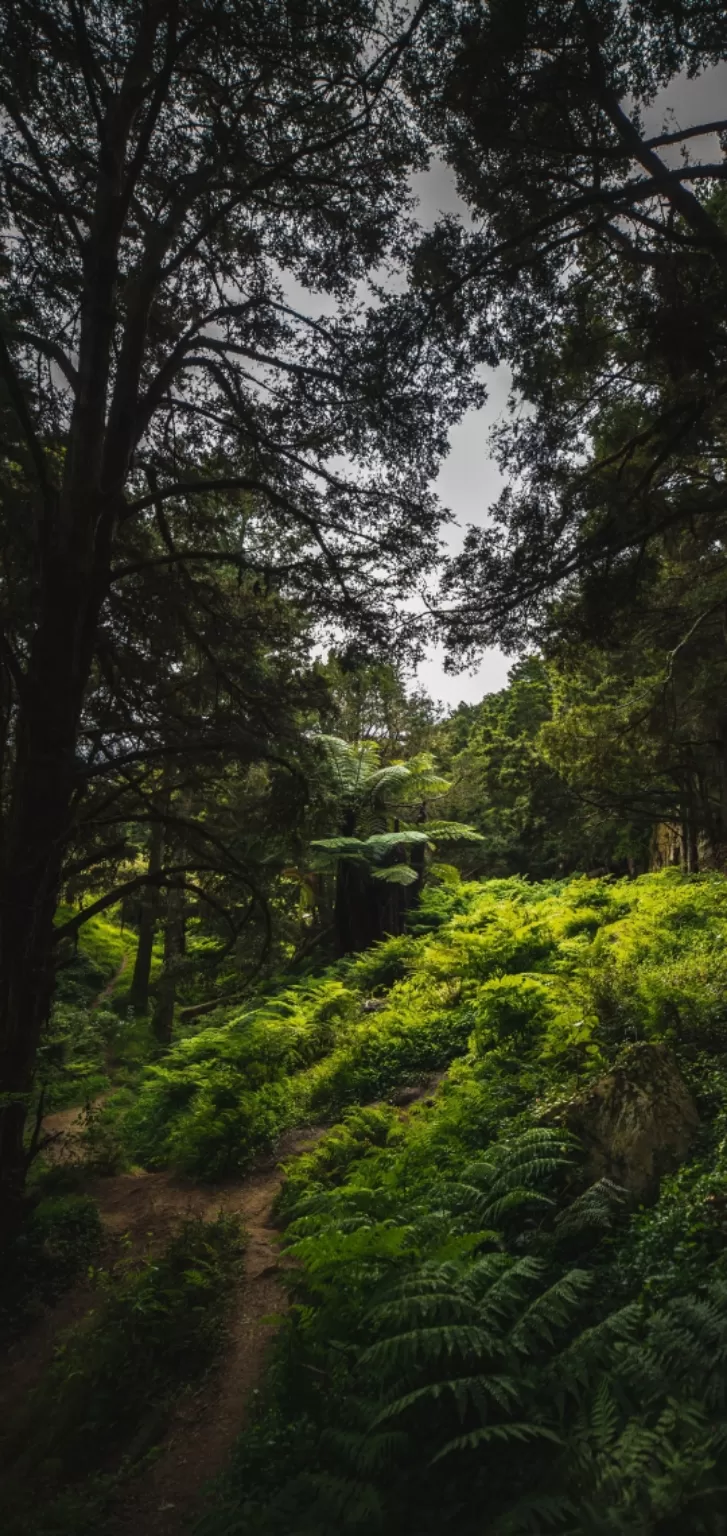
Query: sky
x,y
469,481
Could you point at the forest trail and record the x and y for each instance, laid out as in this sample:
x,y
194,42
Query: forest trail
x,y
109,987
207,1419
163,1499
145,1210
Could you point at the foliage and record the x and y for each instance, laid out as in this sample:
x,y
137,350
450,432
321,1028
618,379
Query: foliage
x,y
565,972
605,546
536,814
385,835
103,949
199,471
479,1338
59,1241
370,701
157,1325
613,326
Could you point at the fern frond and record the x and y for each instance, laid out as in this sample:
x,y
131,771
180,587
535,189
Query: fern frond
x,y
551,1310
502,1432
453,832
532,1516
341,847
431,1344
383,842
356,1503
594,1210
396,874
464,1390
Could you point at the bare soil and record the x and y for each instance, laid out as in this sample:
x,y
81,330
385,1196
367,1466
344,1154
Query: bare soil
x,y
145,1210
206,1422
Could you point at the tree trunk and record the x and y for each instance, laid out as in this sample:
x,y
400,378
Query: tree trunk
x,y
356,914
163,1020
139,990
38,828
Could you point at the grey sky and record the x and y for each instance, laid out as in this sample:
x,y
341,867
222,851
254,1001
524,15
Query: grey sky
x,y
469,480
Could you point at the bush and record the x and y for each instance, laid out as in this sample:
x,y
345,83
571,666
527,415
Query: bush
x,y
157,1326
361,1131
59,1241
565,972
512,1010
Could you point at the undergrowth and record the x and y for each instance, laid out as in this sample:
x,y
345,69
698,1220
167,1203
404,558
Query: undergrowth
x,y
105,1398
86,1029
580,965
481,1340
59,1241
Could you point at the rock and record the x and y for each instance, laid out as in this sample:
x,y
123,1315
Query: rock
x,y
637,1122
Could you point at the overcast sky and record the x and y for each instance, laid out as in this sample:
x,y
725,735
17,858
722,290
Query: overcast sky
x,y
469,480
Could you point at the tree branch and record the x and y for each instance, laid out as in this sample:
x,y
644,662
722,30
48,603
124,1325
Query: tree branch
x,y
19,404
694,213
160,878
51,349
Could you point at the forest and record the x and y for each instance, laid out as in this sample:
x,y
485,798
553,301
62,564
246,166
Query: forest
x,y
363,1073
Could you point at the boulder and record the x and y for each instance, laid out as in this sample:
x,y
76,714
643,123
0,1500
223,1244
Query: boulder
x,y
636,1123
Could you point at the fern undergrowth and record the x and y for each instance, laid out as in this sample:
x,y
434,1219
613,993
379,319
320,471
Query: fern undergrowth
x,y
482,1340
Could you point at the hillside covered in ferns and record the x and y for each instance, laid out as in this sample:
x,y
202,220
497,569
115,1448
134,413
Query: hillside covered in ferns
x,y
363,768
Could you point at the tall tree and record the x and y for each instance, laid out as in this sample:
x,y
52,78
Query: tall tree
x,y
596,268
369,700
162,162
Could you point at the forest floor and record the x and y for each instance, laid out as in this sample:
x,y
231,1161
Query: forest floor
x,y
145,1210
166,1494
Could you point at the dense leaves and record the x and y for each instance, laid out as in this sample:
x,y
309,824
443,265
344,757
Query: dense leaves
x,y
480,1338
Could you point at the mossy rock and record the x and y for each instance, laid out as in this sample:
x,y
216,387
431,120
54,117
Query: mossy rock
x,y
637,1122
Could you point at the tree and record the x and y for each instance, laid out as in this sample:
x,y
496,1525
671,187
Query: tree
x,y
163,161
369,700
523,794
596,269
385,830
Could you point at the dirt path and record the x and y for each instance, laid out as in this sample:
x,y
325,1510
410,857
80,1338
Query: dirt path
x,y
108,989
206,1422
205,1425
146,1209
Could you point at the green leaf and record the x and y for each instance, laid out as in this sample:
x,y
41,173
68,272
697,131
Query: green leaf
x,y
396,874
452,832
381,842
339,845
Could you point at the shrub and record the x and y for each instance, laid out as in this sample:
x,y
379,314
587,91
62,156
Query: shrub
x,y
563,972
361,1131
512,1010
480,1342
59,1241
158,1324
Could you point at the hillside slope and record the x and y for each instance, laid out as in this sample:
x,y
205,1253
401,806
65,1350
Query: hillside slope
x,y
485,1339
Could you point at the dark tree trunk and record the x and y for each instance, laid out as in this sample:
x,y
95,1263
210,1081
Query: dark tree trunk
x,y
139,990
174,940
367,910
38,829
355,912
